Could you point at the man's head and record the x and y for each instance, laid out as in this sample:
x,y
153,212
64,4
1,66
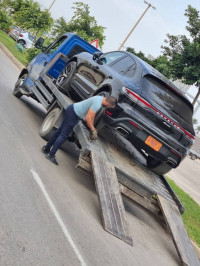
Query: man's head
x,y
110,102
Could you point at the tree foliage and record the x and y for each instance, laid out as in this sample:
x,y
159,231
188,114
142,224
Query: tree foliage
x,y
183,52
32,52
5,21
81,23
195,121
28,15
181,55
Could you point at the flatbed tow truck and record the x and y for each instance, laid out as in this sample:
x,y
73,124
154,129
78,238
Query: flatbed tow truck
x,y
115,172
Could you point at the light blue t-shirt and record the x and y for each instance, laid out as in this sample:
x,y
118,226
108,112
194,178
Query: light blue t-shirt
x,y
82,108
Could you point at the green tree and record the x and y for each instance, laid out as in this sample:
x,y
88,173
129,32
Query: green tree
x,y
30,17
4,5
195,121
183,52
140,54
162,64
5,21
81,23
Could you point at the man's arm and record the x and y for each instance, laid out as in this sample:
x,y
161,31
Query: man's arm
x,y
89,118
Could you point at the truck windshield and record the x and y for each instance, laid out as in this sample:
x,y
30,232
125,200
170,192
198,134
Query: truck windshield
x,y
167,99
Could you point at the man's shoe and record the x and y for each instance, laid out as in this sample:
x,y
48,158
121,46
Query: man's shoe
x,y
51,159
43,150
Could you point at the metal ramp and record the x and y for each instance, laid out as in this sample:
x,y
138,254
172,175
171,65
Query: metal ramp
x,y
178,231
112,207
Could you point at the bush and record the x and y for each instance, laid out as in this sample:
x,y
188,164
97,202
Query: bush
x,y
5,21
31,53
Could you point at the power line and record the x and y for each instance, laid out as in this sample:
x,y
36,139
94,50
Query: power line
x,y
51,5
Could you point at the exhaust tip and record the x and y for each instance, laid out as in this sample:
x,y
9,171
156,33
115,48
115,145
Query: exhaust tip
x,y
122,131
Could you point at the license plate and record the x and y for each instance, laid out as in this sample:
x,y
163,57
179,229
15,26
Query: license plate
x,y
153,143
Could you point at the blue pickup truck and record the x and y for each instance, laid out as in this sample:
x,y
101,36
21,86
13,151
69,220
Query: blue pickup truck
x,y
37,80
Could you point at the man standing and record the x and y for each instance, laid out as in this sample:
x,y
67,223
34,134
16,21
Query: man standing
x,y
87,110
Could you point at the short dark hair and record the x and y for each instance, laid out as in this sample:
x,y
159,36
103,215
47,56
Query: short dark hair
x,y
111,100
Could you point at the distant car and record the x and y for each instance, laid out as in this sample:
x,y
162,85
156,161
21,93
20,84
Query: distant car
x,y
22,37
194,152
152,113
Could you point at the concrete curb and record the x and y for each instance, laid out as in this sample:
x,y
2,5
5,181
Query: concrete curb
x,y
11,56
196,248
20,66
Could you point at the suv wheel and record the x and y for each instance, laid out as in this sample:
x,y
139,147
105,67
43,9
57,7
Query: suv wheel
x,y
21,42
193,157
64,79
159,168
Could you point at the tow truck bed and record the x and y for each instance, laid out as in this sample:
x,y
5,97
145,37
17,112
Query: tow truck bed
x,y
129,175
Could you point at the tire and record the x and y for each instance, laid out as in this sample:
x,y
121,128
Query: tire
x,y
47,128
22,42
64,79
193,157
16,92
159,168
99,122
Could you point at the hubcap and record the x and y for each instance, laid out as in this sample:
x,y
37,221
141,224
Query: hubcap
x,y
64,75
48,123
19,83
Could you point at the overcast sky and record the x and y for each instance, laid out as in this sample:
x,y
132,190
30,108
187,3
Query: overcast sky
x,y
119,16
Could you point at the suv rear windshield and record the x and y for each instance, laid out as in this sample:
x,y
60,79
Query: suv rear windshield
x,y
167,99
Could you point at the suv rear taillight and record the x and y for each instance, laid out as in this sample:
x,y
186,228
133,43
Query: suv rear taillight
x,y
146,105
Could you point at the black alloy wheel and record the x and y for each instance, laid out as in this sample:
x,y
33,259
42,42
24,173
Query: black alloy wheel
x,y
64,79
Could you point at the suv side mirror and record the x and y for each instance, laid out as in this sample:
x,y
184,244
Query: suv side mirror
x,y
96,57
39,43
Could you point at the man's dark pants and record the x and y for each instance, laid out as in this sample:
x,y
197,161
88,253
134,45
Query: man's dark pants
x,y
62,133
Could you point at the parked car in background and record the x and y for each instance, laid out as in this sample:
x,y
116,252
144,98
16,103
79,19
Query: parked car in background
x,y
152,113
23,37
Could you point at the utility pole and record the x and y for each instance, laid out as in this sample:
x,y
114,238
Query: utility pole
x,y
197,96
51,5
149,5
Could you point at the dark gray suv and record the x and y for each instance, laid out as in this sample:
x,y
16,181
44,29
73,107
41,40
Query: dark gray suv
x,y
152,113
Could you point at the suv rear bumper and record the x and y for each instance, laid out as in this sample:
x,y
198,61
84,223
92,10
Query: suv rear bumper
x,y
137,134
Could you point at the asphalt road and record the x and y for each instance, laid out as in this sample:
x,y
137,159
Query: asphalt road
x,y
187,176
49,215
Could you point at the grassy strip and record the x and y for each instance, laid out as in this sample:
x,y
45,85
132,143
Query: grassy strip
x,y
9,43
191,216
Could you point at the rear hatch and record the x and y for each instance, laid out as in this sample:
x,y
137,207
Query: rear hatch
x,y
170,110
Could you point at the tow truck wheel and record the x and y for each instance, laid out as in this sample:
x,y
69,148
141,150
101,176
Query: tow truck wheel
x,y
159,168
64,79
16,92
193,157
47,128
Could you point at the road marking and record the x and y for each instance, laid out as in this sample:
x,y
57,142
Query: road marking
x,y
57,216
